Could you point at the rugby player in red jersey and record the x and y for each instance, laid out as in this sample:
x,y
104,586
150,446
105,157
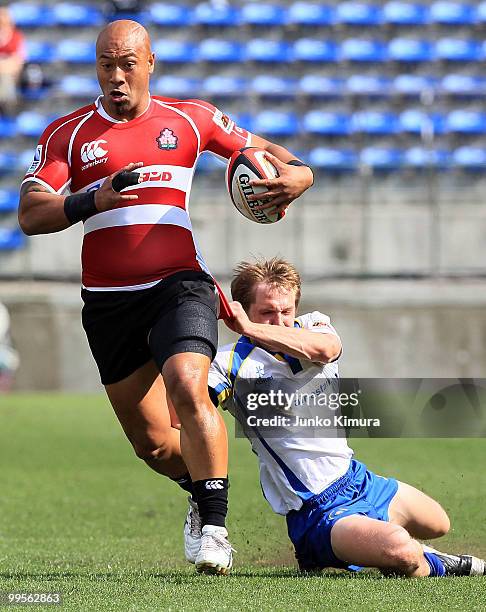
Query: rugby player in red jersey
x,y
150,305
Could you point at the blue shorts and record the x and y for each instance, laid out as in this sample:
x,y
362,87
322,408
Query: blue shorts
x,y
359,491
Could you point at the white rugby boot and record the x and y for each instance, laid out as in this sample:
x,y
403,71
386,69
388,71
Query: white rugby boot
x,y
216,554
192,531
459,565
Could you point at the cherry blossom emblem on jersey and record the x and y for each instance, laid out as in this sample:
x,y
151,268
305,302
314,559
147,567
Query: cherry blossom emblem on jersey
x,y
167,140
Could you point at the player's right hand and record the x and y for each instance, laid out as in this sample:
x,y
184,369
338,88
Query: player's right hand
x,y
106,198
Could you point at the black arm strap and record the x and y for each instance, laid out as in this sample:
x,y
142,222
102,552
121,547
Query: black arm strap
x,y
80,206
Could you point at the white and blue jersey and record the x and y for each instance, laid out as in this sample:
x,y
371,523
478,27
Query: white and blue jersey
x,y
293,468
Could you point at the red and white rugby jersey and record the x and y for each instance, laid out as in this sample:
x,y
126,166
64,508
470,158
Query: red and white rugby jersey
x,y
140,242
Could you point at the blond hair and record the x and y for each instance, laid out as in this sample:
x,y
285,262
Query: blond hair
x,y
276,272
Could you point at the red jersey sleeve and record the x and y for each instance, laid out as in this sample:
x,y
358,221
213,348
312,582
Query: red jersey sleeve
x,y
218,132
50,165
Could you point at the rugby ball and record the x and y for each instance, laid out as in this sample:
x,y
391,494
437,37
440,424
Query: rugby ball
x,y
246,165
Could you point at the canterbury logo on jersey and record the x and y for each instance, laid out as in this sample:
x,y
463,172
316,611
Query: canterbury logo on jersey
x,y
214,484
91,151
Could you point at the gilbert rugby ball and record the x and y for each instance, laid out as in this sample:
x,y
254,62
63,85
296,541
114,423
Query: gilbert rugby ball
x,y
244,166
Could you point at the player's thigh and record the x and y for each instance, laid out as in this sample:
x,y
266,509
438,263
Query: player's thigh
x,y
360,540
141,405
421,515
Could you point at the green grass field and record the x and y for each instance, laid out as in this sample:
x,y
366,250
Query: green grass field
x,y
79,514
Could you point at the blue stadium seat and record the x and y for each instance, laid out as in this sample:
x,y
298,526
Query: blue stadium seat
x,y
463,85
458,50
327,123
452,13
30,15
420,123
272,86
77,15
405,14
208,162
375,123
177,86
40,52
262,14
31,123
79,86
272,51
175,51
319,86
9,163
410,50
358,14
311,14
170,15
275,123
76,51
314,50
220,50
8,127
413,85
11,239
481,12
469,158
361,50
333,160
23,160
369,85
210,14
381,158
466,122
9,200
225,86
420,158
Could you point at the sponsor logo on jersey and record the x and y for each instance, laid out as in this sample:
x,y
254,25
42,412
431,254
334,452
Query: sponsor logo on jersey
x,y
167,140
319,324
92,153
36,160
224,122
155,176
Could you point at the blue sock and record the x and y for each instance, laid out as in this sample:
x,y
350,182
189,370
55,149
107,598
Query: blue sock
x,y
436,566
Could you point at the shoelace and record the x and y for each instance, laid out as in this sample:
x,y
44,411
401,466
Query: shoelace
x,y
194,522
219,540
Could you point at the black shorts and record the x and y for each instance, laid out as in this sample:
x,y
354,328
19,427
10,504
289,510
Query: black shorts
x,y
126,329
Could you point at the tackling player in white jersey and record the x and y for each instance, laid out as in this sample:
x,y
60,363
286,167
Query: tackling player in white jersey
x,y
339,514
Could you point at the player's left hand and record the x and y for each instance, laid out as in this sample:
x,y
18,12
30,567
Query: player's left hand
x,y
284,189
240,322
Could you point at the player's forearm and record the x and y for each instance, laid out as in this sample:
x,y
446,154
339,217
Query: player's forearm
x,y
42,213
300,343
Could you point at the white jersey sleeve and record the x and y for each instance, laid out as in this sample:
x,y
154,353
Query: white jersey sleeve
x,y
219,378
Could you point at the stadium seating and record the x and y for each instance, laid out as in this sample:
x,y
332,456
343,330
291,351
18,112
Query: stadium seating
x,y
66,14
262,14
363,51
271,86
175,51
177,86
311,14
369,85
79,87
31,15
410,50
374,123
220,50
268,51
469,158
333,160
170,15
452,13
274,123
210,14
318,86
463,85
40,52
381,158
9,200
327,123
11,239
224,86
313,50
358,14
31,123
466,122
458,50
405,14
76,51
8,127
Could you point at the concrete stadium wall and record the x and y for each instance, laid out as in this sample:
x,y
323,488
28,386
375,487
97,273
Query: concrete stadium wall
x,y
389,329
342,226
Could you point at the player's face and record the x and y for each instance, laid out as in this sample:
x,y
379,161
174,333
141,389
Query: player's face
x,y
123,69
272,306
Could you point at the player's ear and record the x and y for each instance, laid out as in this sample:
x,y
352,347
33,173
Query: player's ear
x,y
151,62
